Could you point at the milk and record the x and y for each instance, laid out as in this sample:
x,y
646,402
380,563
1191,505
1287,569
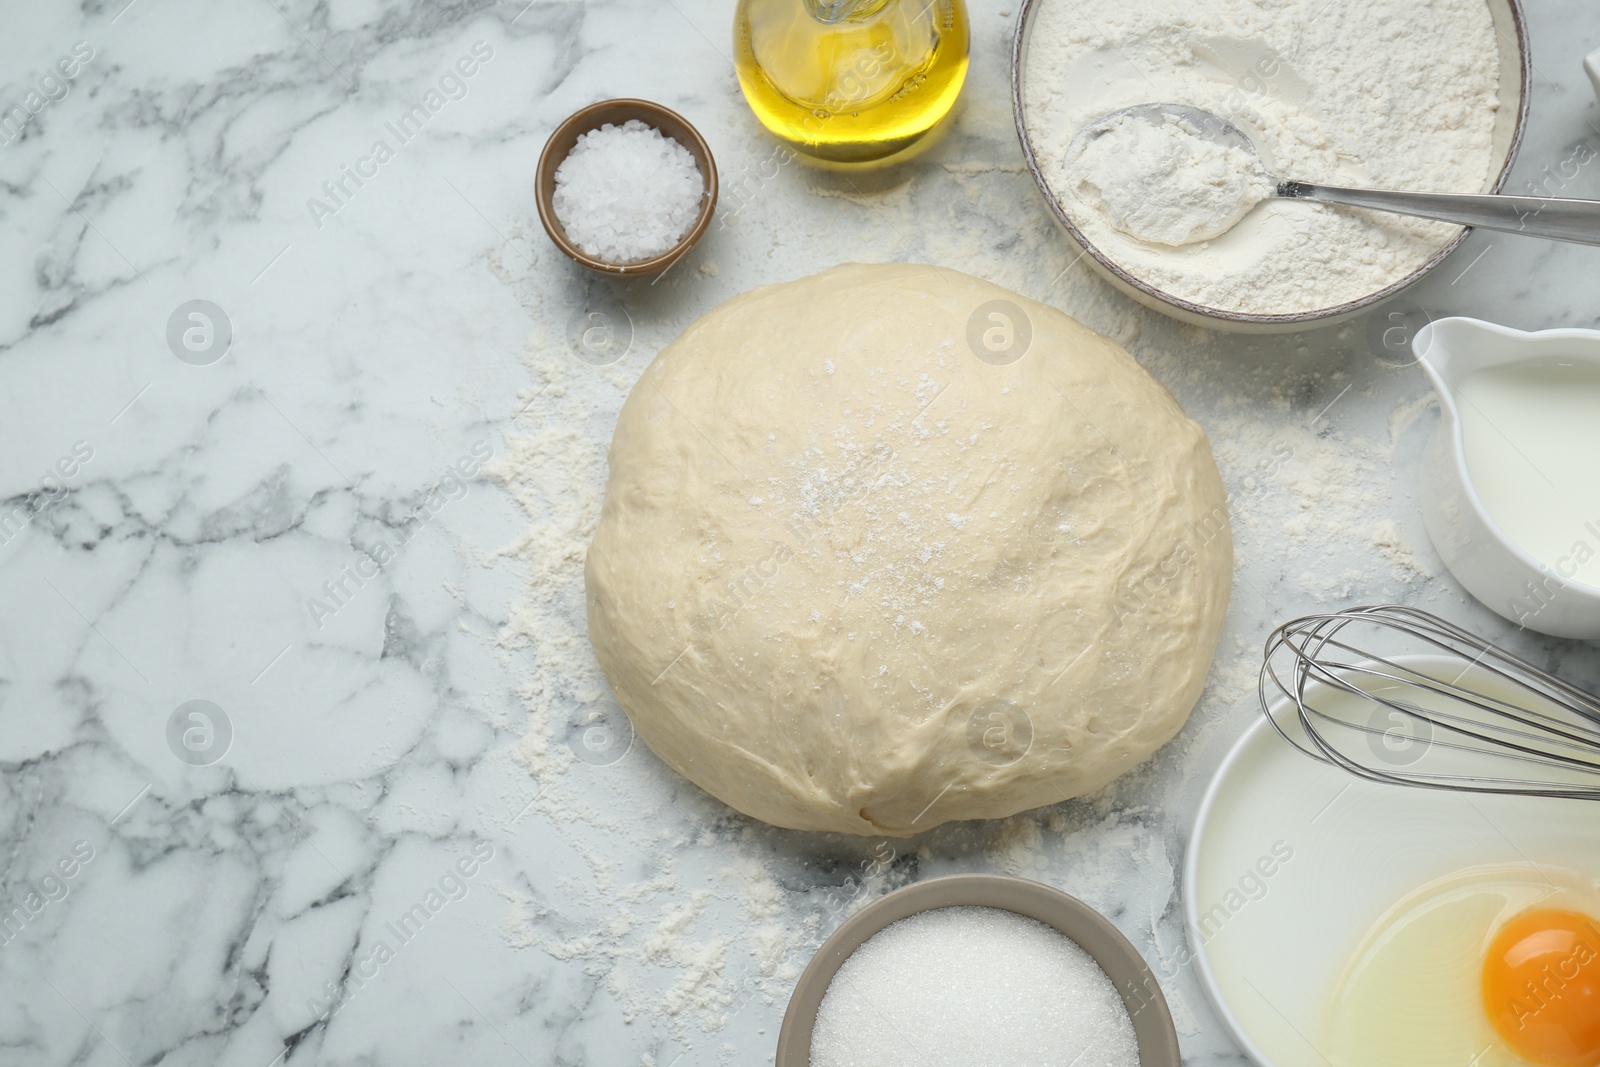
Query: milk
x,y
1531,432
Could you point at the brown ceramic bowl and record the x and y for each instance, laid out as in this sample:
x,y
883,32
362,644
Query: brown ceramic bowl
x,y
617,112
1093,932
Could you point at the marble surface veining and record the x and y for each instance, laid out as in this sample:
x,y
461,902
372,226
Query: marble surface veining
x,y
285,510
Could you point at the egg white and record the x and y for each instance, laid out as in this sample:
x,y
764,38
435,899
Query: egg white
x,y
1412,993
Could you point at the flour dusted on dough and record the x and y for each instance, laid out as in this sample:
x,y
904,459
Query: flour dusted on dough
x,y
848,576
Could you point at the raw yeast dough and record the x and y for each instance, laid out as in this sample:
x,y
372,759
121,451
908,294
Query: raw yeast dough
x,y
891,546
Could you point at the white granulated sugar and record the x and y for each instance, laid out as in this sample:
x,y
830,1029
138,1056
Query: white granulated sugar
x,y
627,193
1392,94
1163,181
971,987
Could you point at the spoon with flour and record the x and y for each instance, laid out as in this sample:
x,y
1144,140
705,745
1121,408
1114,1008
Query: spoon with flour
x,y
1171,174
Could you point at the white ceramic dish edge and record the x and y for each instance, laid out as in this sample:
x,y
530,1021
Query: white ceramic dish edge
x,y
1210,837
1191,897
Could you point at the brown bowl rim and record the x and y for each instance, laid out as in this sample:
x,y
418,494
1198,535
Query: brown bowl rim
x,y
1320,316
618,110
1088,928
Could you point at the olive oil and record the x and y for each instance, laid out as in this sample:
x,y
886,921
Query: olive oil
x,y
851,80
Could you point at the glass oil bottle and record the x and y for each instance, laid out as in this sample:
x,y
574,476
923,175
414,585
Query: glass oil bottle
x,y
851,81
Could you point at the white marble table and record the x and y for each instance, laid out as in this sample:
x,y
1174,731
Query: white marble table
x,y
391,845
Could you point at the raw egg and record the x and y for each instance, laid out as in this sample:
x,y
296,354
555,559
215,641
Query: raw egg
x,y
1541,987
1493,967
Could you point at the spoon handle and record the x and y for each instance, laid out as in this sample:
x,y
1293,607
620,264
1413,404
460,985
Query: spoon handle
x,y
1560,220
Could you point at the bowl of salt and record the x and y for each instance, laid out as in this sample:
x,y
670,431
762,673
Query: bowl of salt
x,y
626,187
977,969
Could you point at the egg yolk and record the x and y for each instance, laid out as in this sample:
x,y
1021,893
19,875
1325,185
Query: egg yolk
x,y
1541,986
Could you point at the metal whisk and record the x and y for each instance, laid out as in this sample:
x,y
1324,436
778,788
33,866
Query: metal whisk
x,y
1397,695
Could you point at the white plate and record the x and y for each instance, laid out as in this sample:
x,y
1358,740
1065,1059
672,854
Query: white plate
x,y
1270,954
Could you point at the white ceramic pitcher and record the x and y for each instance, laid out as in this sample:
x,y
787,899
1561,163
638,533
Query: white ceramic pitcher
x,y
1493,567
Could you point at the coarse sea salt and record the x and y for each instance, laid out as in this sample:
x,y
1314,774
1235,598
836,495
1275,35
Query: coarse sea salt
x,y
627,193
971,987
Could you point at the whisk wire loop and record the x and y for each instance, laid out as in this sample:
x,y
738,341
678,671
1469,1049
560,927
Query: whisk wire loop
x,y
1395,694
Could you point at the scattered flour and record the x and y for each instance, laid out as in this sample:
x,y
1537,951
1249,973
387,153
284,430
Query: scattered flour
x,y
1388,539
1394,93
1401,419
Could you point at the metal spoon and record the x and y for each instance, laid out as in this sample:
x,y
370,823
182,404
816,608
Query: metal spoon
x,y
1557,219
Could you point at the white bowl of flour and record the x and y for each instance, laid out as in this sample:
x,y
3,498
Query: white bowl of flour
x,y
1427,95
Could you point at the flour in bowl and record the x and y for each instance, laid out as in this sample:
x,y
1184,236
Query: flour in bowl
x,y
1398,94
1163,181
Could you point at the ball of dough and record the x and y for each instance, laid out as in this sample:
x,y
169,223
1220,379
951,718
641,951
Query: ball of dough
x,y
891,546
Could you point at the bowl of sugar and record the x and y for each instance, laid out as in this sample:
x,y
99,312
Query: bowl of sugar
x,y
977,969
626,187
